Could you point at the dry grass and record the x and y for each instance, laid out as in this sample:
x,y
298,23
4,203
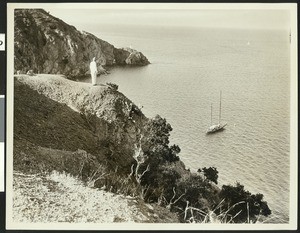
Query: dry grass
x,y
59,197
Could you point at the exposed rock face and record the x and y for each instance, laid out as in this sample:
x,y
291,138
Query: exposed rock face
x,y
46,44
130,57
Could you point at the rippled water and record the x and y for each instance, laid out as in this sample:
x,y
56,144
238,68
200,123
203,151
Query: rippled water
x,y
189,68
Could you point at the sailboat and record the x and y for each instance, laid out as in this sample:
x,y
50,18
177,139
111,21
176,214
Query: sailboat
x,y
216,127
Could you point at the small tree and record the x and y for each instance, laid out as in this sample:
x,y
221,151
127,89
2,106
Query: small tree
x,y
158,153
210,174
140,159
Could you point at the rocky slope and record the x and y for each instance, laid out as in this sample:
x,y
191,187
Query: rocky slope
x,y
46,44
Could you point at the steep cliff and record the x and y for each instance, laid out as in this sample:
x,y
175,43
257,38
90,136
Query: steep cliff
x,y
46,44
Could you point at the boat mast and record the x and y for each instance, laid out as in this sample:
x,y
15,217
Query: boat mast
x,y
210,114
220,108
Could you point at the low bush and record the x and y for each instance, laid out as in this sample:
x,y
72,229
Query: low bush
x,y
113,86
253,203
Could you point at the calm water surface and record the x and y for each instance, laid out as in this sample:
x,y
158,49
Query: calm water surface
x,y
188,69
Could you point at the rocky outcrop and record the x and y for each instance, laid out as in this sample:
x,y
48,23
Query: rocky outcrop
x,y
130,57
46,44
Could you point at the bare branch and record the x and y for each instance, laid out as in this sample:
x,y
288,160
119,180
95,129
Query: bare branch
x,y
248,218
235,216
81,168
147,169
95,172
179,197
91,182
144,191
132,171
186,209
174,195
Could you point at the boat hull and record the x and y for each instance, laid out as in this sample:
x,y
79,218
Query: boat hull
x,y
216,128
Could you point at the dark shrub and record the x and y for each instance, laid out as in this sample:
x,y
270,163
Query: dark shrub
x,y
211,174
252,207
113,86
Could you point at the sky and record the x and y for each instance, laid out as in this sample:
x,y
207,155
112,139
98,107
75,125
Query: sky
x,y
218,18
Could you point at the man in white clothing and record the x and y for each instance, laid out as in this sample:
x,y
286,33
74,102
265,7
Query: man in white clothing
x,y
93,69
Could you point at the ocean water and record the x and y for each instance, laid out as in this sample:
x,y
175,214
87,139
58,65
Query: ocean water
x,y
189,67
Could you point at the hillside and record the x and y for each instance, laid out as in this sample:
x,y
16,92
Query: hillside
x,y
84,136
46,44
100,138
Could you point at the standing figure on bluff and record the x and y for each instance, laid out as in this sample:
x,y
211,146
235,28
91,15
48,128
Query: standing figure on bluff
x,y
93,69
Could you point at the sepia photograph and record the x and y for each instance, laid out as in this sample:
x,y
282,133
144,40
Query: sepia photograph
x,y
151,116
